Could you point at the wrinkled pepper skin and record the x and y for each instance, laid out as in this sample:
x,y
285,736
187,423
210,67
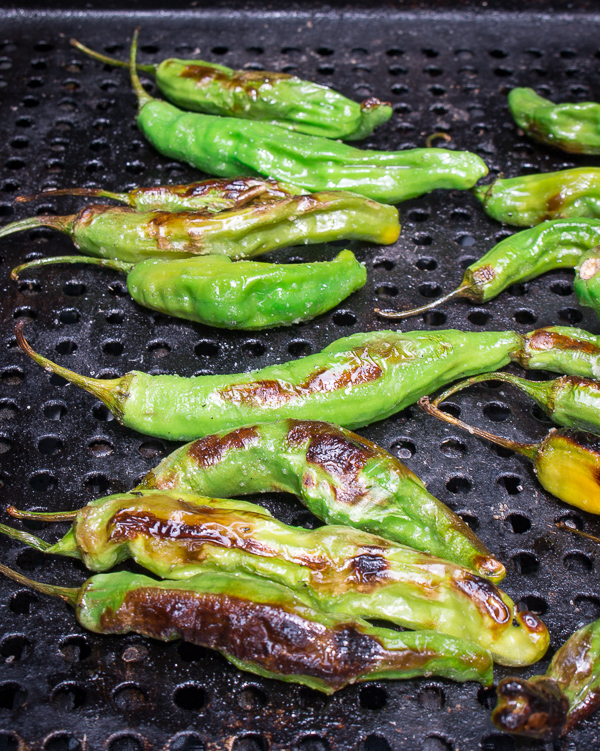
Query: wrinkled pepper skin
x,y
266,629
124,234
245,295
549,706
530,199
572,127
556,244
344,570
277,98
340,476
587,280
352,382
212,195
561,349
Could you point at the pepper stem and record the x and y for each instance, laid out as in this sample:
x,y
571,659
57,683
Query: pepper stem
x,y
529,388
106,262
417,311
110,391
141,93
435,136
527,449
47,516
69,594
562,525
26,538
61,223
110,60
91,192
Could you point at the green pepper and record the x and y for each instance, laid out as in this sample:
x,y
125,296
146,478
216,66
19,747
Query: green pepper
x,y
561,349
352,382
127,235
214,195
566,462
530,199
549,706
230,146
340,476
587,280
572,127
244,295
265,628
277,98
345,571
557,244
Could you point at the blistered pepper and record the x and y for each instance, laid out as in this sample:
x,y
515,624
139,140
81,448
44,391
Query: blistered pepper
x,y
127,235
548,706
340,476
244,295
587,280
556,244
530,199
214,195
230,146
566,462
176,535
561,349
277,98
265,628
572,127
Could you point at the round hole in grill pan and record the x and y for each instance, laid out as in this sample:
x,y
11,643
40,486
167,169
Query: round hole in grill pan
x,y
62,742
12,695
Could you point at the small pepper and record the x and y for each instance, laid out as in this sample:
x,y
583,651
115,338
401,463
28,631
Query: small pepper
x,y
214,195
587,280
572,127
245,295
276,98
561,349
230,146
549,706
127,235
345,571
556,244
566,462
530,199
265,628
340,476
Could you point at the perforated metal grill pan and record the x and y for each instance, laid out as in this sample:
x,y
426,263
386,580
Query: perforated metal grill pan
x,y
66,120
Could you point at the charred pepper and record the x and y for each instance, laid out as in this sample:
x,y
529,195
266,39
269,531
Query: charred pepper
x,y
345,571
561,349
587,280
244,295
549,706
230,146
265,628
124,234
340,476
276,98
572,127
530,199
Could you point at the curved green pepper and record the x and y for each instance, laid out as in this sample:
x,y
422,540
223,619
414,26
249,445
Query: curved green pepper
x,y
277,98
557,244
244,295
571,127
214,195
345,571
530,199
265,628
230,146
340,476
587,280
549,706
126,235
561,349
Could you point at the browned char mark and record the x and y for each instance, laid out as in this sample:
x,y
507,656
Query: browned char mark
x,y
265,635
485,596
546,339
247,81
208,451
535,708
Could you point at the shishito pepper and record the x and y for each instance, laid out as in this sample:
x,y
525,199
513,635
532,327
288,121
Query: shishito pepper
x,y
530,199
549,706
572,127
265,628
230,146
244,295
345,571
561,349
340,476
277,98
124,234
587,280
566,462
214,195
556,244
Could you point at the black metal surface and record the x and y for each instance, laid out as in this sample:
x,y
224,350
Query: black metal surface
x,y
66,120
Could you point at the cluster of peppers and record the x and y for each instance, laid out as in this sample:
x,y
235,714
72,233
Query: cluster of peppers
x,y
390,550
